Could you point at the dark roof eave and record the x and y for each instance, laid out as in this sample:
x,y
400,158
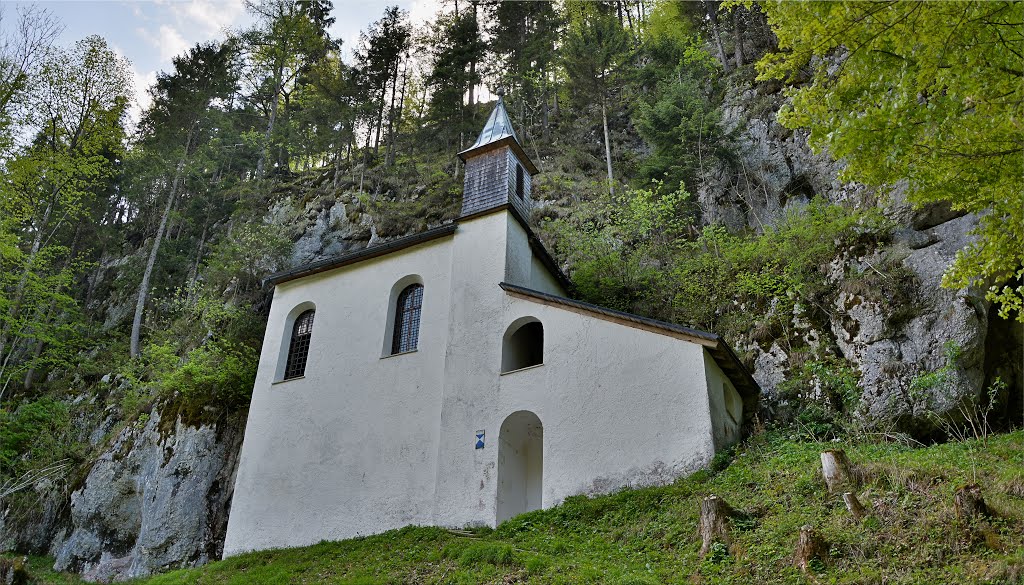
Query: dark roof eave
x,y
359,255
507,140
723,354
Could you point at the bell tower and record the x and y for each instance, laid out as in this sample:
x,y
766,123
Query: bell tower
x,y
498,172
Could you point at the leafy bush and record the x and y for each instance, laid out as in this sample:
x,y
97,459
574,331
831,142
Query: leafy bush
x,y
637,252
35,433
824,396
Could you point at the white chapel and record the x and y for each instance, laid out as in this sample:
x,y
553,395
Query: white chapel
x,y
446,378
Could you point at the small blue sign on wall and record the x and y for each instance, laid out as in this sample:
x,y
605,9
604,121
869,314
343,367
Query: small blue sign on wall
x,y
479,439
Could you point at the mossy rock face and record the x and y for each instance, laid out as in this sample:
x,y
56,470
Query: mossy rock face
x,y
163,481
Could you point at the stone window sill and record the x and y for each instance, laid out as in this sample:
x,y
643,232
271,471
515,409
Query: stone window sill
x,y
384,357
521,369
285,381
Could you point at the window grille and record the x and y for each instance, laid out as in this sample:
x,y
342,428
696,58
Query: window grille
x,y
298,348
407,319
519,181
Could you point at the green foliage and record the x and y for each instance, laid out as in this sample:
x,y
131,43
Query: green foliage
x,y
633,255
824,397
238,263
935,86
206,358
680,119
49,188
457,46
32,432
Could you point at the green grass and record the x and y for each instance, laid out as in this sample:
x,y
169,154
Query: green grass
x,y
650,535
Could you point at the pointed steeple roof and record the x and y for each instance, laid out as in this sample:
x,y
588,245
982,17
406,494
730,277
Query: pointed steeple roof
x,y
498,126
498,132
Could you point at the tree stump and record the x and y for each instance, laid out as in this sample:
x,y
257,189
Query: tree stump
x,y
854,506
13,572
836,469
715,514
810,547
969,503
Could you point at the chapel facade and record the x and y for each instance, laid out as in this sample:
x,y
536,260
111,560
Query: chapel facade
x,y
446,378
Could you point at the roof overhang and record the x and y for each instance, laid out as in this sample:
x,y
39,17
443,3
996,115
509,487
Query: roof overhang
x,y
359,255
507,140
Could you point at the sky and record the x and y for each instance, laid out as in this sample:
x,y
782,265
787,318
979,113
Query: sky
x,y
150,32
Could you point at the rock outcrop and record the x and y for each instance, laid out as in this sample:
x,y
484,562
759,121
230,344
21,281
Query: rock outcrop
x,y
157,498
892,342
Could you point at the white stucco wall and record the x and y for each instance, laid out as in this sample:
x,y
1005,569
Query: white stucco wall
x,y
620,406
363,444
725,403
350,448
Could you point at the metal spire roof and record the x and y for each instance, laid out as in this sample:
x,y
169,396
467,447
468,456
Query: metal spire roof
x,y
498,127
498,132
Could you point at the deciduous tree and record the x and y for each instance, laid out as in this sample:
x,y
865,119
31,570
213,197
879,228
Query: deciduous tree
x,y
929,93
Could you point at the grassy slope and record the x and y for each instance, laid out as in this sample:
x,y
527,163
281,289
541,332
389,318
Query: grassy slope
x,y
650,535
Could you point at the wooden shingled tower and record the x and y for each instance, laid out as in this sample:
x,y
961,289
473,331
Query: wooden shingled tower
x,y
498,172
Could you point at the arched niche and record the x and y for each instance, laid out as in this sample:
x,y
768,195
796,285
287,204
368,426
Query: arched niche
x,y
286,336
522,346
520,465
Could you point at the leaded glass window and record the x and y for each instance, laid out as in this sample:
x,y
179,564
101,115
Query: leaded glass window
x,y
407,319
298,347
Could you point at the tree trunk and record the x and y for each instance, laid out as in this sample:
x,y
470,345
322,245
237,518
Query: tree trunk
x,y
737,31
711,8
854,506
472,67
607,147
140,303
193,272
715,514
969,503
809,548
836,469
261,163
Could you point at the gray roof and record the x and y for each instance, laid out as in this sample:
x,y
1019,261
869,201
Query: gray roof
x,y
498,126
359,255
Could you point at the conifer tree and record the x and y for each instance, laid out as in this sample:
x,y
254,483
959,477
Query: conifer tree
x,y
593,48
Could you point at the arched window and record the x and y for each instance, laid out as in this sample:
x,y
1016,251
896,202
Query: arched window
x,y
523,345
298,347
407,319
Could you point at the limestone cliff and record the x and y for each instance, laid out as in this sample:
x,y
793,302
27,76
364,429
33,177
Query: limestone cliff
x,y
891,339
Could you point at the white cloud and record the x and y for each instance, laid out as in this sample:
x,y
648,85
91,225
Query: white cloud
x,y
421,11
206,17
167,40
143,81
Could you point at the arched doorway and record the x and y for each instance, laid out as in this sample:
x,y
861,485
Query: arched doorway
x,y
520,465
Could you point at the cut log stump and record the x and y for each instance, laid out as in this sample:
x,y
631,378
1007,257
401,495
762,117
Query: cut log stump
x,y
854,506
13,571
838,472
969,503
715,515
810,547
